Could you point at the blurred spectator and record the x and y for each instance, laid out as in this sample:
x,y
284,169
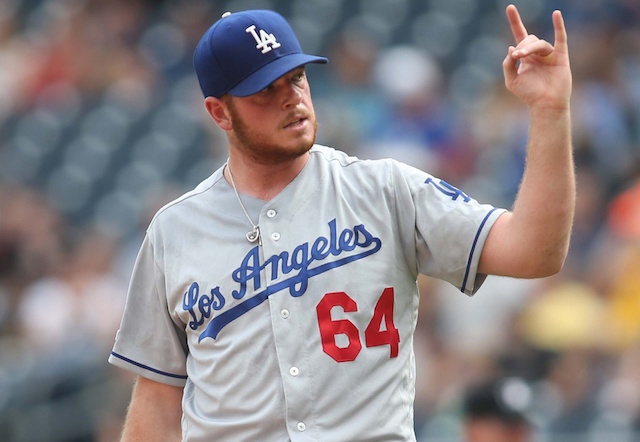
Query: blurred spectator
x,y
31,235
568,315
421,126
623,289
591,200
619,401
352,106
79,302
496,411
499,128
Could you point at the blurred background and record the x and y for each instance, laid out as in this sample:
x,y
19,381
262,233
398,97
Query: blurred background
x,y
102,123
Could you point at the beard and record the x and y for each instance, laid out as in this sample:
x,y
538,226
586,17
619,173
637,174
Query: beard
x,y
261,148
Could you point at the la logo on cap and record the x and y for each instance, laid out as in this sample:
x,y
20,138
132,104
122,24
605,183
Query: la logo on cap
x,y
265,41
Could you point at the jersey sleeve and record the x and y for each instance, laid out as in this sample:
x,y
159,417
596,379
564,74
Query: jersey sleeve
x,y
149,342
448,227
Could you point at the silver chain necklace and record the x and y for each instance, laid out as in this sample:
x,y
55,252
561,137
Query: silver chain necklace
x,y
254,235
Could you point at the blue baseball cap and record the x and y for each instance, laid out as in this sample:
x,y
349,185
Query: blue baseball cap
x,y
244,52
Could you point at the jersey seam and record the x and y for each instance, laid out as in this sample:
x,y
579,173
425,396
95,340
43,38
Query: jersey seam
x,y
335,159
320,152
158,268
392,183
192,193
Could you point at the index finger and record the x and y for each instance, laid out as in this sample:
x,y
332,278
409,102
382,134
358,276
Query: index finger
x,y
517,27
560,32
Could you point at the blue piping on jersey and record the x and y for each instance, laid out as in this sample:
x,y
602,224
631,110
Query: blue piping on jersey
x,y
473,248
146,367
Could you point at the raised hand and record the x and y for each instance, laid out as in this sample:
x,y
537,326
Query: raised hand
x,y
542,78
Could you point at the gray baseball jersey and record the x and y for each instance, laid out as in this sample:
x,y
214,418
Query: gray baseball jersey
x,y
308,336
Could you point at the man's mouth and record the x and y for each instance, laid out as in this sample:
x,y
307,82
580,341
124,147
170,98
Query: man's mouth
x,y
296,123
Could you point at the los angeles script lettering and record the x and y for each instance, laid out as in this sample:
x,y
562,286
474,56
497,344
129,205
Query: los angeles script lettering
x,y
202,305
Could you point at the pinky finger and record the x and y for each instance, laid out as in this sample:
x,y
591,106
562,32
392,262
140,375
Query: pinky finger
x,y
560,31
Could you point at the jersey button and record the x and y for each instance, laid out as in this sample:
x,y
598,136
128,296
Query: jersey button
x,y
271,213
294,371
275,236
301,426
284,313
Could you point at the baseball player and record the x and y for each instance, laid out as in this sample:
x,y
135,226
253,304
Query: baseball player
x,y
278,300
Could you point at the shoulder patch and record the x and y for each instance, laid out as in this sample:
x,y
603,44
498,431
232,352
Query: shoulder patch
x,y
448,189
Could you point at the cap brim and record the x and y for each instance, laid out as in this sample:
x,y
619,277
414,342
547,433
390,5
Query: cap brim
x,y
269,73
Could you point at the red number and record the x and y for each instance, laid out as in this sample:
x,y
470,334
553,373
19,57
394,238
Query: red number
x,y
330,328
373,336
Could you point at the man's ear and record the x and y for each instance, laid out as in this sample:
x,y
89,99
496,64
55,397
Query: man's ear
x,y
219,111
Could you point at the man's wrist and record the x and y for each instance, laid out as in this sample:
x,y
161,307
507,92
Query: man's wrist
x,y
550,112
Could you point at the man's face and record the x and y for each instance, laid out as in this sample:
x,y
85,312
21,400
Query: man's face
x,y
276,124
494,430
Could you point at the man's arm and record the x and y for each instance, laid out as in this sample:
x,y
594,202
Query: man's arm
x,y
154,414
533,239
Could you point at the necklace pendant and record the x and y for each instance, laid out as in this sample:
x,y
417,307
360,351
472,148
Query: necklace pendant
x,y
254,235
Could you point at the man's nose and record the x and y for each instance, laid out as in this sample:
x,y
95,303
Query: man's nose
x,y
292,96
